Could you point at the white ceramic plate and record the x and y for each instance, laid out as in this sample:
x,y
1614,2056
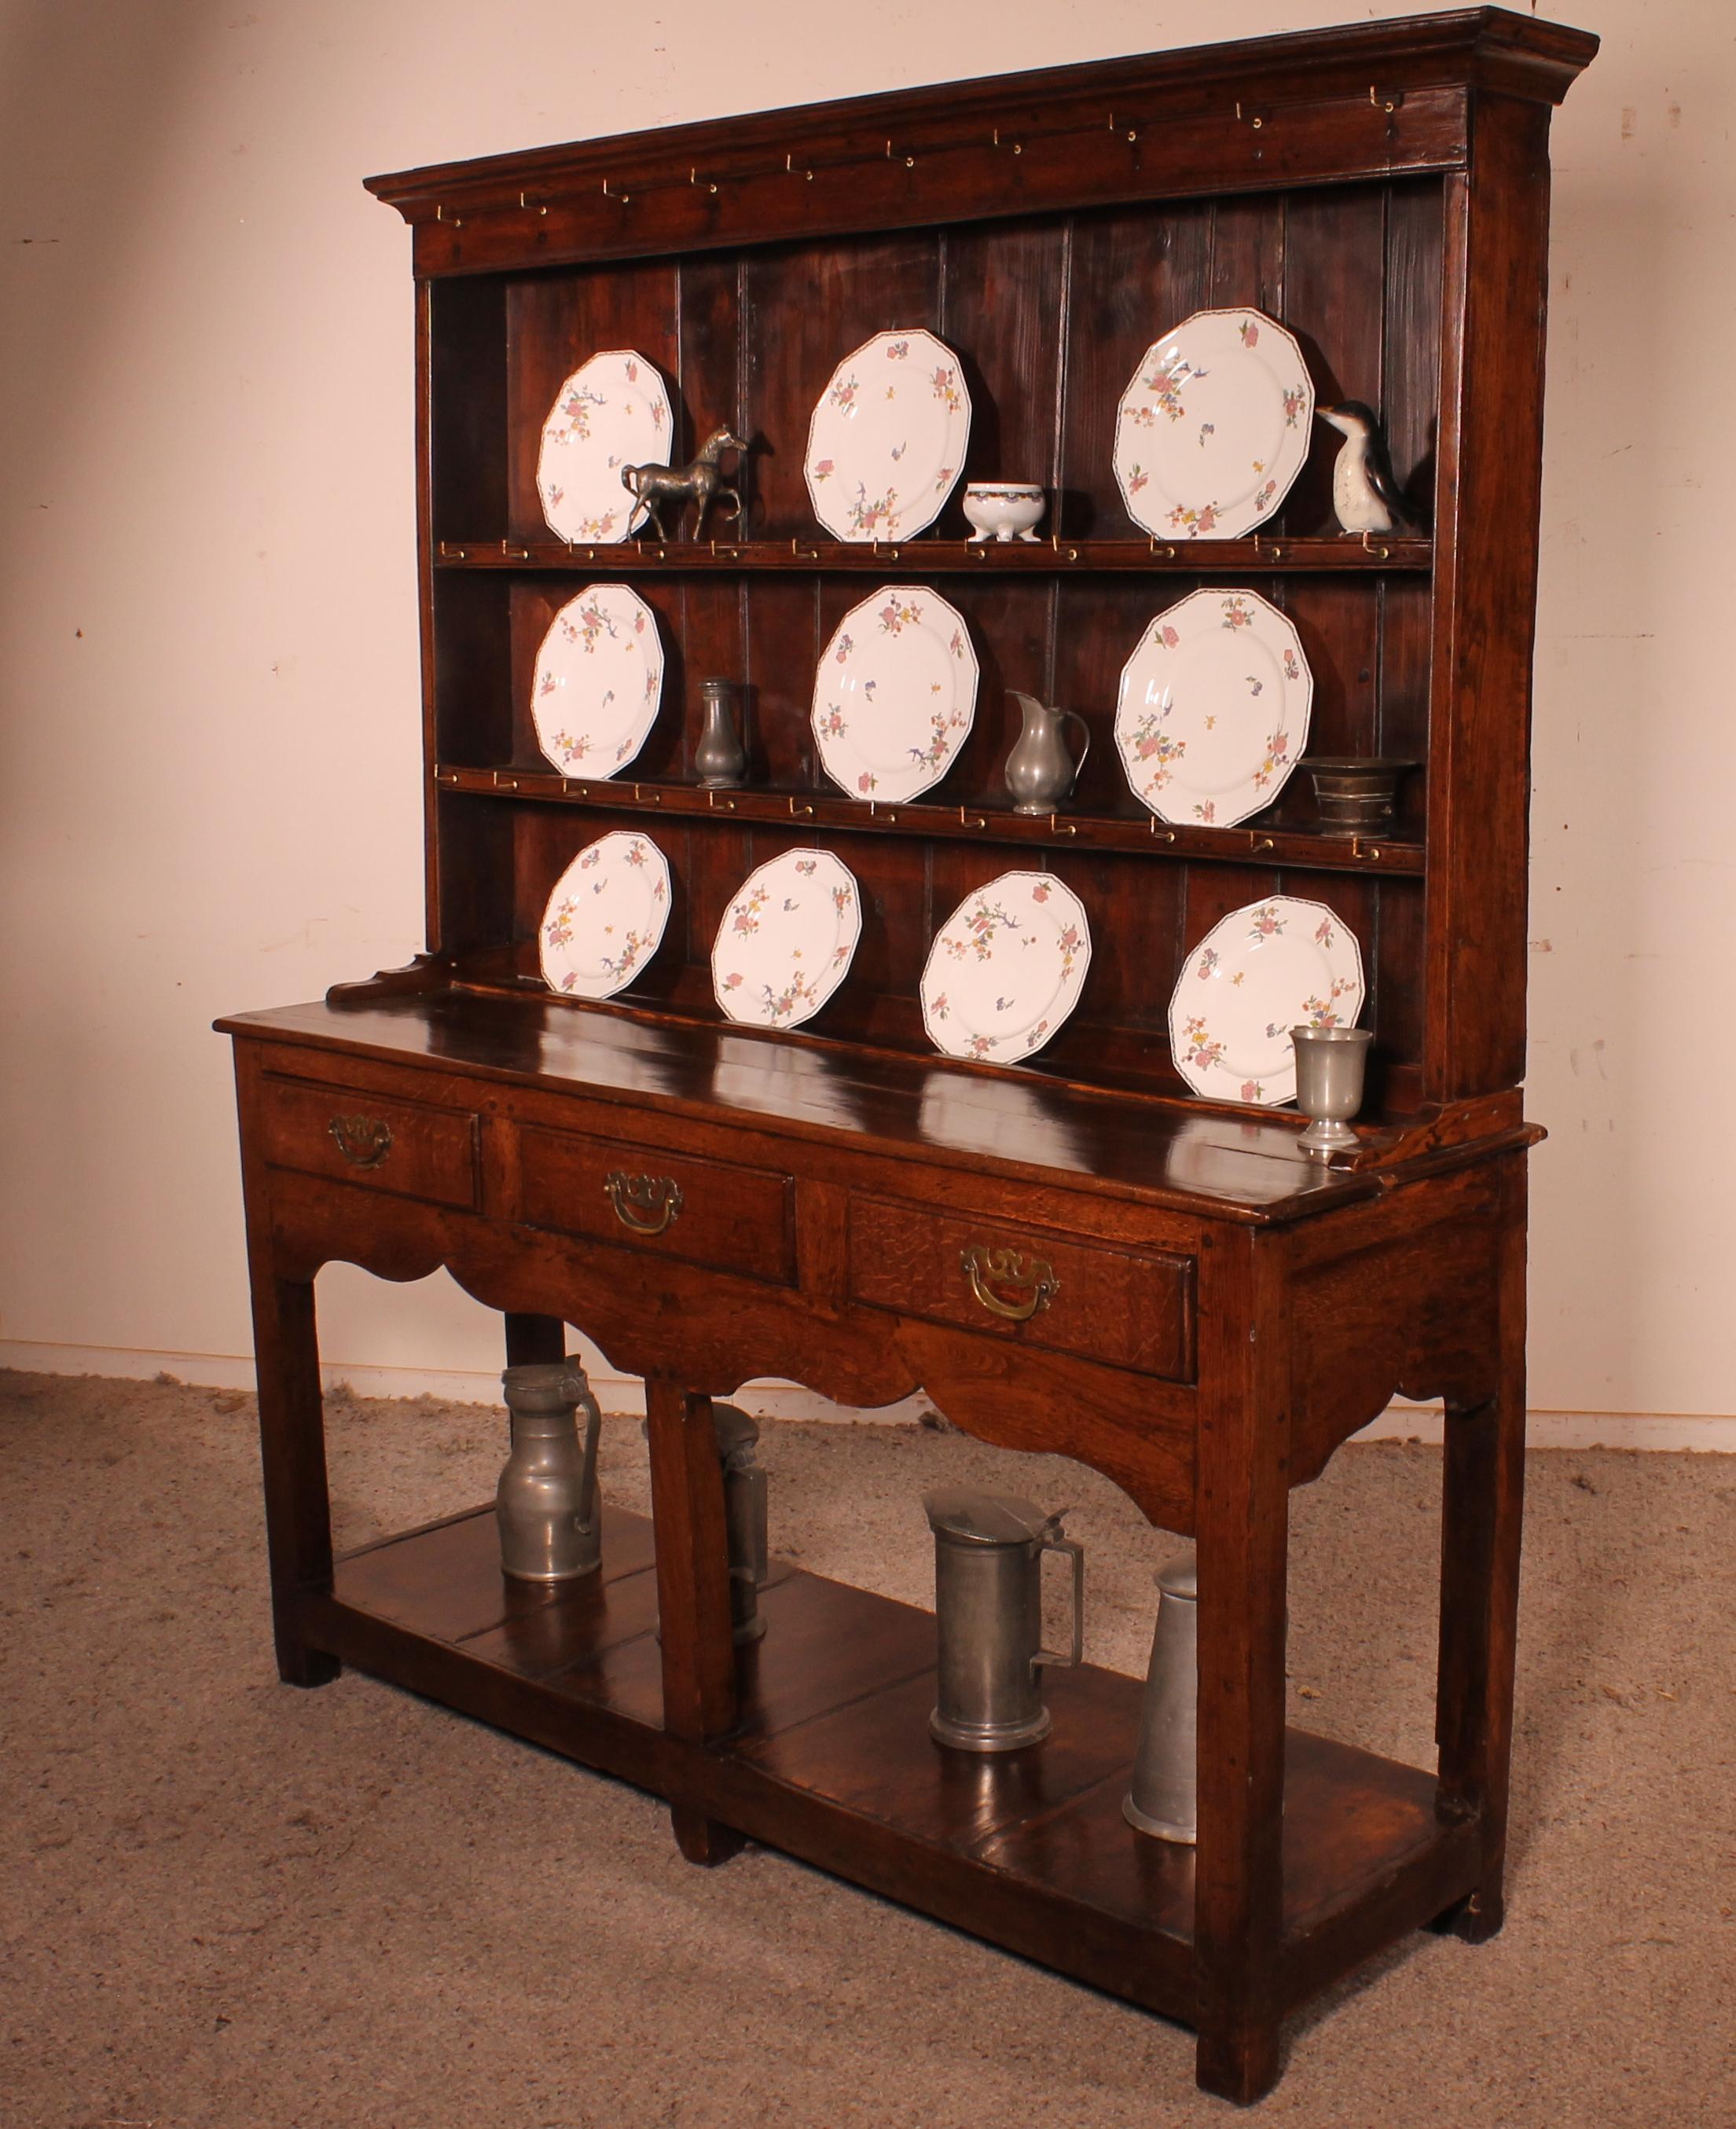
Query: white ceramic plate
x,y
786,940
598,681
1257,973
606,917
1004,970
887,437
611,411
895,693
1214,708
1214,428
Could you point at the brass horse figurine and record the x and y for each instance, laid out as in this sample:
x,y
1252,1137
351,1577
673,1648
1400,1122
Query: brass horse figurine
x,y
654,486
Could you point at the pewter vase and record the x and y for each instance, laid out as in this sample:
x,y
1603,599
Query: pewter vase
x,y
546,1506
1164,1799
988,1618
720,758
745,1518
1040,771
745,1504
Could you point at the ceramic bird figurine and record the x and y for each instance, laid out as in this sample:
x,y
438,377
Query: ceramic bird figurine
x,y
1365,490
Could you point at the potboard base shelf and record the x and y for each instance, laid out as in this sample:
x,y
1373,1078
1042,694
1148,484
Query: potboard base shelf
x,y
830,1761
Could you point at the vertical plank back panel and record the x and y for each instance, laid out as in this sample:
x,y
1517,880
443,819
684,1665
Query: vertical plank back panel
x,y
808,306
556,322
1134,273
1003,309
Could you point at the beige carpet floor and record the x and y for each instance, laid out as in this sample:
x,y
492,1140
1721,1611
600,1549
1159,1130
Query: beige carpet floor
x,y
226,1903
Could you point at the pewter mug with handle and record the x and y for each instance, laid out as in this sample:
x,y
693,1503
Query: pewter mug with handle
x,y
546,1506
988,1616
1040,772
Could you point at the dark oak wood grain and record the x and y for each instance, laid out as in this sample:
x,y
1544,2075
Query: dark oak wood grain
x,y
1074,1254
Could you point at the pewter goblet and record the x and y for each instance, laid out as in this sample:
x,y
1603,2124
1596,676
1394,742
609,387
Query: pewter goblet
x,y
1330,1063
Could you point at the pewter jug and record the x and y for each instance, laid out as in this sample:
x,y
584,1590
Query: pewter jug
x,y
720,758
546,1506
1040,772
745,1518
1163,1798
988,1615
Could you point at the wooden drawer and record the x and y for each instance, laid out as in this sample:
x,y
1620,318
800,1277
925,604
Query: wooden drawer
x,y
407,1147
704,1212
1130,1309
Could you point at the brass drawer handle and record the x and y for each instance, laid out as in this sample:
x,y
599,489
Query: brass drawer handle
x,y
645,1203
363,1141
1008,1268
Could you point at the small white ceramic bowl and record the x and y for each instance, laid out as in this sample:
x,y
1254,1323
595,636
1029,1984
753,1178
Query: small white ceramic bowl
x,y
1000,509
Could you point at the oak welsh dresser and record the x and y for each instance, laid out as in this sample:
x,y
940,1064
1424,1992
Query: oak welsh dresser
x,y
1224,1310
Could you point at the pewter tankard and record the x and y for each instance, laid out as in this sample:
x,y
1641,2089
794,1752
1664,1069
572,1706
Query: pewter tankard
x,y
1164,1796
988,1613
546,1506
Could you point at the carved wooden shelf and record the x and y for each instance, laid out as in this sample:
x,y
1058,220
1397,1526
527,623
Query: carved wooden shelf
x,y
1199,558
1300,848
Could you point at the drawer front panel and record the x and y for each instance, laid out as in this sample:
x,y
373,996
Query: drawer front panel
x,y
704,1212
1129,1309
381,1144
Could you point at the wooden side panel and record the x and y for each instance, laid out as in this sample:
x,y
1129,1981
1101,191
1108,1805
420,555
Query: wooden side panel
x,y
1484,621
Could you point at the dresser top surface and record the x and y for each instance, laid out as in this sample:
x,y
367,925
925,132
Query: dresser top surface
x,y
1171,1152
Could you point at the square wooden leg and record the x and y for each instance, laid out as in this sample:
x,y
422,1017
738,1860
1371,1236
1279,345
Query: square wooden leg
x,y
692,1595
1243,1534
534,1340
1482,1511
293,1451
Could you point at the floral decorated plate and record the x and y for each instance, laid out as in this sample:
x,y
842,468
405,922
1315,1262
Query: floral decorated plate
x,y
895,693
611,412
887,436
1004,969
786,940
1214,428
598,680
1214,708
1256,974
606,917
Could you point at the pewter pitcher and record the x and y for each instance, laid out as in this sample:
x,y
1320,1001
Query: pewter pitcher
x,y
1040,771
988,1614
1164,1799
546,1506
